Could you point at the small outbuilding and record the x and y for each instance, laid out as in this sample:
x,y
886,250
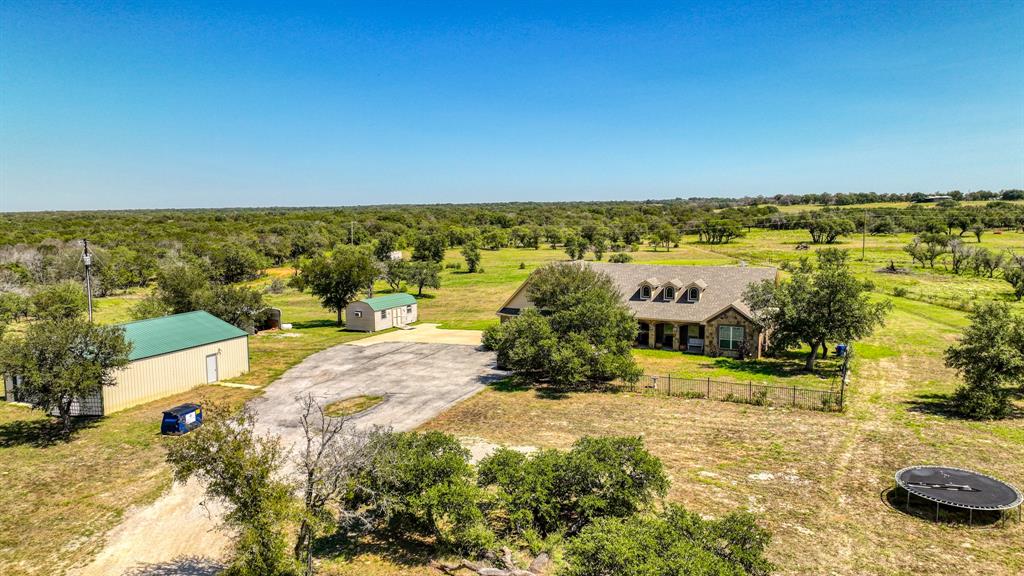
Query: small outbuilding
x,y
170,355
381,312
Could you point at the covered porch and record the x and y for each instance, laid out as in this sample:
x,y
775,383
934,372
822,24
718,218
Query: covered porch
x,y
685,337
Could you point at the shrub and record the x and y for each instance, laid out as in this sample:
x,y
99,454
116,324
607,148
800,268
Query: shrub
x,y
671,543
61,301
620,258
553,491
421,484
276,286
900,292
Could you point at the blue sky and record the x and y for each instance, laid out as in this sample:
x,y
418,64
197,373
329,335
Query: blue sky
x,y
154,104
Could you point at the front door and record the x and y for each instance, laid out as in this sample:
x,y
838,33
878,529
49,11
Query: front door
x,y
667,337
211,368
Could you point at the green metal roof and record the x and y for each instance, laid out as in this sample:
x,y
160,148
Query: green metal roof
x,y
158,336
390,301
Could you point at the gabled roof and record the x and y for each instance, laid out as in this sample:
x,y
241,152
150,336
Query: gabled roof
x,y
723,287
389,301
652,281
699,284
675,283
168,334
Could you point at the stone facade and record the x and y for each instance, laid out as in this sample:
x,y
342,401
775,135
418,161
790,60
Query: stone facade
x,y
752,337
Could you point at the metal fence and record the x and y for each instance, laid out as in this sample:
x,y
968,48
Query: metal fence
x,y
746,393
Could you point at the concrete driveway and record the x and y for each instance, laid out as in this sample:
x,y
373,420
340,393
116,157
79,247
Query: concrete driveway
x,y
178,535
417,380
426,333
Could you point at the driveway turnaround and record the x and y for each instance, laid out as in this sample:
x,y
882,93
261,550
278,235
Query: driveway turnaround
x,y
178,535
418,381
425,333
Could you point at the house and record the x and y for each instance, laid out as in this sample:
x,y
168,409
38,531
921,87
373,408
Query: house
x,y
697,309
170,355
381,312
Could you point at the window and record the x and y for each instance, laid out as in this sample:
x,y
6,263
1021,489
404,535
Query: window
x,y
730,337
408,309
383,314
357,313
645,291
694,294
670,293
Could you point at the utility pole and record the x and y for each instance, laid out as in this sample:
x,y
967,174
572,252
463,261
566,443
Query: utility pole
x,y
864,238
87,260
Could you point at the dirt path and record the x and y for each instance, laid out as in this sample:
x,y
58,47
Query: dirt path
x,y
178,535
143,544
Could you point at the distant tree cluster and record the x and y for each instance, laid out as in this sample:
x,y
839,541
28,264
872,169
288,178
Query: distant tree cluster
x,y
234,246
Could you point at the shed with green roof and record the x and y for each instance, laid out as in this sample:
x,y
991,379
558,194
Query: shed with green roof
x,y
174,354
381,312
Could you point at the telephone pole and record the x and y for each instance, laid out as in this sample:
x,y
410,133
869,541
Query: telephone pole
x,y
864,238
87,260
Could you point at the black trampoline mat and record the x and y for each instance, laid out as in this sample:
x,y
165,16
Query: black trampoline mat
x,y
960,488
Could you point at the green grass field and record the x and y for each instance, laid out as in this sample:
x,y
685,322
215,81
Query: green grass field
x,y
59,499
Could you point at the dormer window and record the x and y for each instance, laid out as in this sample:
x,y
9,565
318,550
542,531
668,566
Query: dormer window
x,y
670,293
694,289
647,287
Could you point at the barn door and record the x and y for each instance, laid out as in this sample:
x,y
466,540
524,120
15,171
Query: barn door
x,y
211,368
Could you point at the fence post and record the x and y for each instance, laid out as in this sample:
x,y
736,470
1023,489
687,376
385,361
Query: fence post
x,y
669,384
709,388
794,395
750,391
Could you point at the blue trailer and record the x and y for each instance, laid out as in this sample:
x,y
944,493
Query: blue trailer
x,y
182,419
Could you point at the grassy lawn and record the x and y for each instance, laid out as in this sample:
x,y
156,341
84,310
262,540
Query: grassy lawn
x,y
784,371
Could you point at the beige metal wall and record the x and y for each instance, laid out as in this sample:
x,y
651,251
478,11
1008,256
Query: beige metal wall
x,y
153,378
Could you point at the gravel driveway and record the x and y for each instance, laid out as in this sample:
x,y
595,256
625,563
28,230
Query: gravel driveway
x,y
176,535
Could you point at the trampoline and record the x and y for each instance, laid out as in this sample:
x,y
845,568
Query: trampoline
x,y
958,488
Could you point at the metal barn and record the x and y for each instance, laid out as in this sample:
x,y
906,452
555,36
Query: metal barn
x,y
169,355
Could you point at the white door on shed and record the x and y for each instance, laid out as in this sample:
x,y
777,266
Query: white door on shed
x,y
211,368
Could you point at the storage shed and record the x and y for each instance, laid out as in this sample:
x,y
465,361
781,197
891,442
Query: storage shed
x,y
381,313
170,355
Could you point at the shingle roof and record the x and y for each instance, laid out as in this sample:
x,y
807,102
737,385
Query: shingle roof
x,y
158,336
387,301
724,287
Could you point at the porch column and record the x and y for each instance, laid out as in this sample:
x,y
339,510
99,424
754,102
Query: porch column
x,y
675,336
652,335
